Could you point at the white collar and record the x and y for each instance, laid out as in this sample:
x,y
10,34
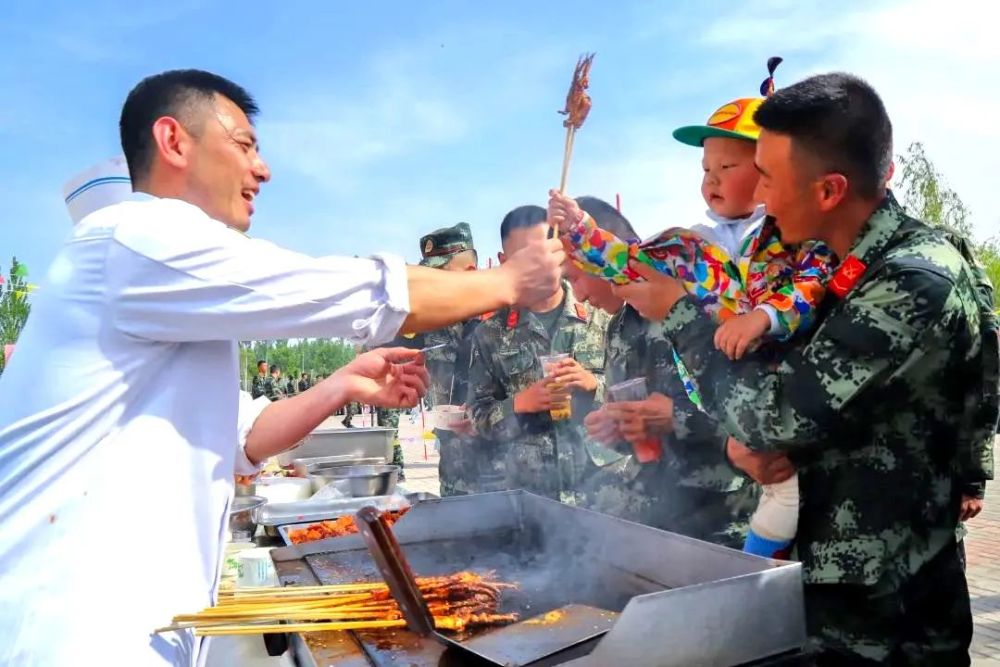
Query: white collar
x,y
757,213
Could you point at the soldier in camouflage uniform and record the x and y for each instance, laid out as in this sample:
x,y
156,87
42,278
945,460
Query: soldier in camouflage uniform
x,y
692,489
450,249
884,411
510,399
274,386
258,386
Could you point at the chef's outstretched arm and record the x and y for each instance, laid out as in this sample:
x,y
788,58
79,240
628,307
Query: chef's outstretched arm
x,y
439,298
175,275
387,377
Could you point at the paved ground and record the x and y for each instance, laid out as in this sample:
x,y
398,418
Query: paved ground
x,y
982,547
983,551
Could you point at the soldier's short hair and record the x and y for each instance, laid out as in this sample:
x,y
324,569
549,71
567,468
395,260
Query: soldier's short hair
x,y
261,361
275,367
840,120
607,217
521,218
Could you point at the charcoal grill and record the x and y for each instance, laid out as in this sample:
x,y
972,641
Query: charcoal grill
x,y
594,590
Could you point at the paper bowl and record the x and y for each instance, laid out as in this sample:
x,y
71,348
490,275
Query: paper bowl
x,y
448,417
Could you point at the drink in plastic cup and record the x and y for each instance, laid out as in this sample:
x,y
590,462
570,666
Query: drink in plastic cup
x,y
549,361
635,390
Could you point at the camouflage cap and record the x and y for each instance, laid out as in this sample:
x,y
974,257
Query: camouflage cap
x,y
438,247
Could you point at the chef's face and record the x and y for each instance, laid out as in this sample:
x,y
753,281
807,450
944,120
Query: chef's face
x,y
225,170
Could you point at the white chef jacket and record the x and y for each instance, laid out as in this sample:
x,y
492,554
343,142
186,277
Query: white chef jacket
x,y
118,421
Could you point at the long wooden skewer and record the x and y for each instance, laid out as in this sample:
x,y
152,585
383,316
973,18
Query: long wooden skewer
x,y
297,627
567,155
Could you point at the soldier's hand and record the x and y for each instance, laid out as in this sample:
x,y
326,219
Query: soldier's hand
x,y
465,428
971,506
735,336
655,296
572,375
563,211
539,397
386,377
602,427
639,421
536,269
762,467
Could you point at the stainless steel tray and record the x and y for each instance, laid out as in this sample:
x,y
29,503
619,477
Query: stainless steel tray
x,y
359,443
276,515
301,465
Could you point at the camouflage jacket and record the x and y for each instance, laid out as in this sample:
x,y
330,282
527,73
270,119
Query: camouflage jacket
x,y
448,368
274,389
258,386
692,490
536,453
881,410
696,447
979,464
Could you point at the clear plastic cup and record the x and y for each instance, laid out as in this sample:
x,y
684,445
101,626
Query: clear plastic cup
x,y
649,450
549,361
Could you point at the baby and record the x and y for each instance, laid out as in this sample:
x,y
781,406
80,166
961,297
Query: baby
x,y
733,264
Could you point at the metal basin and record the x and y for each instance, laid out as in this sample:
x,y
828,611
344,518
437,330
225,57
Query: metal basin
x,y
356,443
303,467
358,481
244,515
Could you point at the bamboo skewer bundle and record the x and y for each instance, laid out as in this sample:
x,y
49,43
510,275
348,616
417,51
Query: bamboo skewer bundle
x,y
456,602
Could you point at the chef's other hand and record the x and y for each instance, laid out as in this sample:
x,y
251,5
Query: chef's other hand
x,y
386,377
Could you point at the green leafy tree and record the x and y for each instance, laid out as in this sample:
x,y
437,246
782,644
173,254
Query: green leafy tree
x,y
927,196
14,304
314,356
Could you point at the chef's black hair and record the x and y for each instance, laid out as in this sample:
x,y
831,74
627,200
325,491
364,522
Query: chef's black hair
x,y
520,218
176,93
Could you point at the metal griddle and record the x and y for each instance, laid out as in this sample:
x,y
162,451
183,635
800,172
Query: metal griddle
x,y
594,590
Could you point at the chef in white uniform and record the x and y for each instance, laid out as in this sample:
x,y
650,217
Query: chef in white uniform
x,y
108,183
115,475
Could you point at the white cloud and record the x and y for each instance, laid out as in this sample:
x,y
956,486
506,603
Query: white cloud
x,y
934,66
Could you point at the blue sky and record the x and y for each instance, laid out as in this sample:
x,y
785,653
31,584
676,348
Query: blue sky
x,y
384,120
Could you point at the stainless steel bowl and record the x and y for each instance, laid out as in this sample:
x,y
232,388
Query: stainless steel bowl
x,y
359,481
244,514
